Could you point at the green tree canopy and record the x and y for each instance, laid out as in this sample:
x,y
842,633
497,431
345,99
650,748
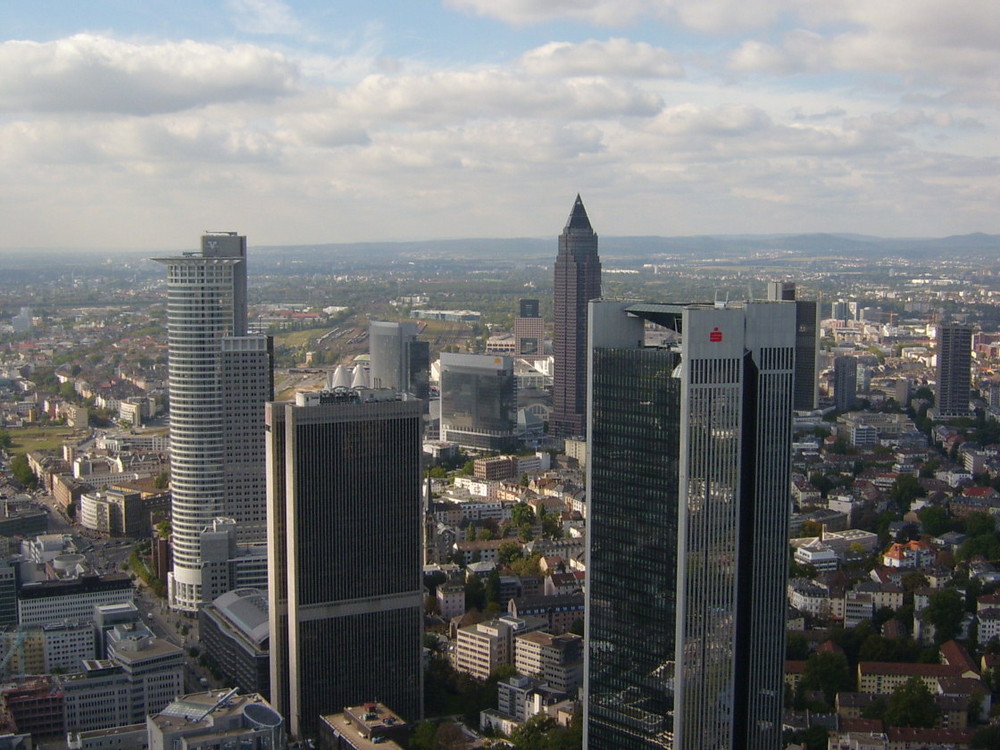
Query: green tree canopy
x,y
522,514
22,472
979,523
934,519
829,672
911,705
945,612
905,490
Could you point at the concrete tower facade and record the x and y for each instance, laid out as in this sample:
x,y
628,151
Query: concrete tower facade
x,y
220,379
529,330
688,481
398,360
577,281
344,564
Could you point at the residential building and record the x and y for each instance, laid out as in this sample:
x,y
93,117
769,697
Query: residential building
x,y
220,378
577,281
688,486
954,370
912,554
845,382
481,648
344,523
555,660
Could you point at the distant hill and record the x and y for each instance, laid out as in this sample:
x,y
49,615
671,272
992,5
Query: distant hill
x,y
521,250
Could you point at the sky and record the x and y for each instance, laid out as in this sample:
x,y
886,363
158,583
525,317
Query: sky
x,y
134,125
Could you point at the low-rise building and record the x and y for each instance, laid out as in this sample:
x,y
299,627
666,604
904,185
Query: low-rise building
x,y
217,719
363,727
480,649
554,660
235,636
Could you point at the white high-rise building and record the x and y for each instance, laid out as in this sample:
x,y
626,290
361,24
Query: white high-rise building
x,y
220,379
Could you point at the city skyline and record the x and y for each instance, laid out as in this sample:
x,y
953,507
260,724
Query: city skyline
x,y
673,118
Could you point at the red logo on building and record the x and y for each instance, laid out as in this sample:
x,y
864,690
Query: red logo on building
x,y
715,336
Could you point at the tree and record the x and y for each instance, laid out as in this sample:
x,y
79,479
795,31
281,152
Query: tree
x,y
508,553
811,528
492,588
21,471
905,490
911,705
945,612
522,515
986,738
828,671
6,441
423,736
475,593
979,523
934,519
161,481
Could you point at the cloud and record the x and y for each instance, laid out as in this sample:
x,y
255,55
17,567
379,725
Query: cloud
x,y
264,17
88,73
444,96
615,57
710,16
523,12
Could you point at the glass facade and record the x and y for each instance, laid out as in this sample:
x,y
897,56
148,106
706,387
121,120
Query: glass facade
x,y
478,400
688,482
633,525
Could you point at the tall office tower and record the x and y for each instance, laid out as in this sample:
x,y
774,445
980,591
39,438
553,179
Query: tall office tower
x,y
220,379
806,343
687,477
344,523
529,330
478,401
845,382
840,310
577,281
398,360
954,370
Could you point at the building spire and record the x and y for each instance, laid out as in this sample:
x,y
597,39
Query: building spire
x,y
578,217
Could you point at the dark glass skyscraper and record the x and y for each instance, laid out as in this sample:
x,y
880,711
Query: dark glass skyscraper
x,y
577,281
478,401
344,565
845,382
806,343
688,480
954,370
